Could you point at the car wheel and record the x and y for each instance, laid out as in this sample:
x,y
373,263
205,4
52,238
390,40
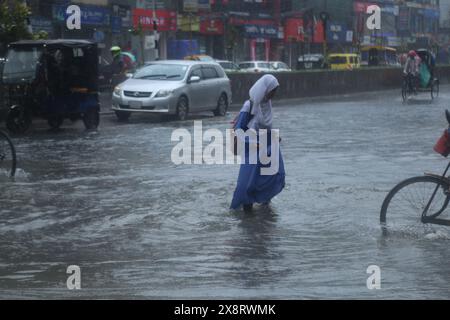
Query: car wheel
x,y
123,116
182,108
222,106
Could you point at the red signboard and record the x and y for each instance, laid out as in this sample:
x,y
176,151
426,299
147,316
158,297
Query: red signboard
x,y
293,30
211,26
166,20
318,33
361,7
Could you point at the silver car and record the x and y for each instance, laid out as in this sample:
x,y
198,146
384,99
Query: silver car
x,y
174,87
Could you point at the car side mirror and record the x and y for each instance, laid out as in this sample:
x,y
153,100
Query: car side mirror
x,y
129,75
194,79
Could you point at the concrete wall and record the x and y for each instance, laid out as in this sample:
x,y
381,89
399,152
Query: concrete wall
x,y
326,83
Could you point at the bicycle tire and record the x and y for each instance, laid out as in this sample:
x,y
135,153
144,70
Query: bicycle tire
x,y
387,214
434,89
12,167
404,89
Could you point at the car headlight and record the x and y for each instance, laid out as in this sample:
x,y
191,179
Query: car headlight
x,y
163,93
117,90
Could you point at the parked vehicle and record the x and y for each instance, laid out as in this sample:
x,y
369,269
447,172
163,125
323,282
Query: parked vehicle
x,y
228,66
279,66
55,79
175,88
311,61
373,56
255,66
199,57
344,61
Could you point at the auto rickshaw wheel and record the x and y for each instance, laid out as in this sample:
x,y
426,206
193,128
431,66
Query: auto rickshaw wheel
x,y
19,119
55,121
91,119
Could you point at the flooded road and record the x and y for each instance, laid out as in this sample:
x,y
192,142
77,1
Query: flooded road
x,y
138,226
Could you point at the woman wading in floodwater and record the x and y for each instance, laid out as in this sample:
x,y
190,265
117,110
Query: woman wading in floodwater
x,y
252,185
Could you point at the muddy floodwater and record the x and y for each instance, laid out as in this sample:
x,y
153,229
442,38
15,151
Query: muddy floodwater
x,y
138,226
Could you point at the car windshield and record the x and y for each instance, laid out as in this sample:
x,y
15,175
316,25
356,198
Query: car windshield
x,y
21,64
338,60
161,72
279,65
226,65
246,65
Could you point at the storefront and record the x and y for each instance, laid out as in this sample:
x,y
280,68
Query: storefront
x,y
255,37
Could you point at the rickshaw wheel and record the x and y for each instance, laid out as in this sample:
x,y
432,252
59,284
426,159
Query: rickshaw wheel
x,y
91,119
434,89
404,90
18,120
55,121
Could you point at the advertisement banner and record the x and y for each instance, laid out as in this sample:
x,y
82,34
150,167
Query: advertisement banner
x,y
336,33
149,4
211,26
90,15
188,23
190,5
258,31
166,20
293,30
116,24
41,24
124,12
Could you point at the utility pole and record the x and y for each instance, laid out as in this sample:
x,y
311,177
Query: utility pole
x,y
325,16
155,31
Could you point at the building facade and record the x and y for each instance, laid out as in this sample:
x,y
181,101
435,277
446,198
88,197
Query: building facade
x,y
246,29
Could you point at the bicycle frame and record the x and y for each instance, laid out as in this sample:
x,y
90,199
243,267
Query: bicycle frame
x,y
433,219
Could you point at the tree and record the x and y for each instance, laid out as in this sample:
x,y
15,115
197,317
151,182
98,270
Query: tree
x,y
13,22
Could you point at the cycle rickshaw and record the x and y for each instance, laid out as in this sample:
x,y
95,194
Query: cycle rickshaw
x,y
428,82
53,79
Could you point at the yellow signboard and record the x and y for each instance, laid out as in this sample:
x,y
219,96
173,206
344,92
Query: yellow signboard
x,y
188,23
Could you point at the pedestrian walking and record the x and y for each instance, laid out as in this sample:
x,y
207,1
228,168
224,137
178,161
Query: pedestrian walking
x,y
256,114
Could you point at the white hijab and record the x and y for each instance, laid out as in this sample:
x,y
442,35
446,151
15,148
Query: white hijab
x,y
262,110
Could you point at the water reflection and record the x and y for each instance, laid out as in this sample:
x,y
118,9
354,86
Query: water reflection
x,y
255,250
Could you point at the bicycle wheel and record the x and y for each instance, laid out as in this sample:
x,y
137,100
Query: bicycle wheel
x,y
405,203
404,89
7,155
434,89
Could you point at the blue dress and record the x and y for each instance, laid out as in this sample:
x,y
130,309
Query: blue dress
x,y
252,187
